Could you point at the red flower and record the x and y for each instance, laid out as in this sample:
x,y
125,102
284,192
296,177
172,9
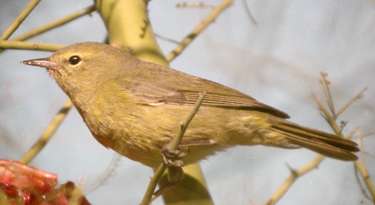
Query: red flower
x,y
24,185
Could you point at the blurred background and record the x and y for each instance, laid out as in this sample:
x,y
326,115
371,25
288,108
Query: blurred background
x,y
277,60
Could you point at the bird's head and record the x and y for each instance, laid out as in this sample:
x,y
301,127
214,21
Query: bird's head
x,y
83,66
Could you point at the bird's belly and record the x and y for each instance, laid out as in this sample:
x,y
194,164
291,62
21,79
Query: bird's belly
x,y
140,135
122,137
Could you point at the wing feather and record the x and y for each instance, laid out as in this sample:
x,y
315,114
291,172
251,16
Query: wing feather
x,y
155,84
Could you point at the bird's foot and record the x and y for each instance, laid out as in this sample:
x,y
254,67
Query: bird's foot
x,y
173,160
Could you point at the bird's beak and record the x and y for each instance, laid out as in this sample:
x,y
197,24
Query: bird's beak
x,y
41,62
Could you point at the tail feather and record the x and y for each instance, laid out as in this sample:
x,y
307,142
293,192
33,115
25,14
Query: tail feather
x,y
321,142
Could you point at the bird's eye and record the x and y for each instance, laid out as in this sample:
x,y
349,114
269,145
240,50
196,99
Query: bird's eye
x,y
74,60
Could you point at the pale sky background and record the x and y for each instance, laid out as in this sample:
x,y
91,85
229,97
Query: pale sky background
x,y
278,62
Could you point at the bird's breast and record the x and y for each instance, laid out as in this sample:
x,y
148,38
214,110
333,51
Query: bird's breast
x,y
115,121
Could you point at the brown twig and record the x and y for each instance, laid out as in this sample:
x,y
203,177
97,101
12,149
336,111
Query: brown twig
x,y
55,24
29,46
294,175
184,125
325,113
172,145
20,18
359,165
47,134
199,29
330,115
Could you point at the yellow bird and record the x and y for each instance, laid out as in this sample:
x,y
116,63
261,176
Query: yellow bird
x,y
135,108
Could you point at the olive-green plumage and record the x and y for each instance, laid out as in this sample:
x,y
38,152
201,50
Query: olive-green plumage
x,y
135,108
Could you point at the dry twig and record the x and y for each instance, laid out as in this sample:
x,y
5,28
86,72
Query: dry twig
x,y
199,29
54,24
359,165
16,43
20,18
172,145
47,134
325,83
330,115
350,102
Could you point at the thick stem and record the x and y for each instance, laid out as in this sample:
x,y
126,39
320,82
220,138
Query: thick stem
x,y
129,27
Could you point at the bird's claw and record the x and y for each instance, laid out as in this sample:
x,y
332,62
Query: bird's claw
x,y
173,158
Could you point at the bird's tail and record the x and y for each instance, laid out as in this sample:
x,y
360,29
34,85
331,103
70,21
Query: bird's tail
x,y
318,141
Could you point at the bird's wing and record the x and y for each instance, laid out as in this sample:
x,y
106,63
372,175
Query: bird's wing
x,y
154,84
